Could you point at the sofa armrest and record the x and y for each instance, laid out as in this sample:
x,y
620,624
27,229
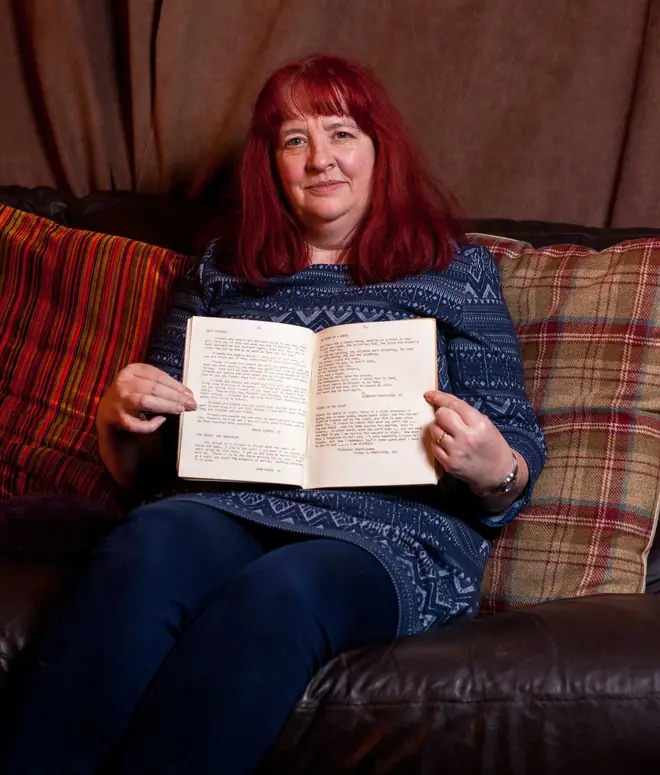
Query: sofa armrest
x,y
26,587
516,693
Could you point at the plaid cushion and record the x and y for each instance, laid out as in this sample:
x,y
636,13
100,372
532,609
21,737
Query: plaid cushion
x,y
75,307
589,329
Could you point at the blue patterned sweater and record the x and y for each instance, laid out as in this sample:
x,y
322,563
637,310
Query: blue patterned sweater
x,y
432,540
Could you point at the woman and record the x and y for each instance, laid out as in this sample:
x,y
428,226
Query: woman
x,y
199,621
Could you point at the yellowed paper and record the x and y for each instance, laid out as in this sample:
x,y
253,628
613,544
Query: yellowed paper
x,y
251,381
369,419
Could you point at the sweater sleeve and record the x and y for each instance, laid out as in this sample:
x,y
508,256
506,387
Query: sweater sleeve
x,y
192,295
485,368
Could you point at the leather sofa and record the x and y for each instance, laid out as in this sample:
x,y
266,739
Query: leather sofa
x,y
567,686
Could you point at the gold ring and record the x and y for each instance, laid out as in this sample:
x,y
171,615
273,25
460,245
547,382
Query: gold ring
x,y
444,433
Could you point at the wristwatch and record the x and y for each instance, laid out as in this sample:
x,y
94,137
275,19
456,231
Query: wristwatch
x,y
507,484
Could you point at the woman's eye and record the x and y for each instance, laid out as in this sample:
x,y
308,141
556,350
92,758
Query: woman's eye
x,y
343,135
293,142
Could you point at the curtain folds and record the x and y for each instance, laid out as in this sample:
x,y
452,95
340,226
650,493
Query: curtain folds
x,y
526,110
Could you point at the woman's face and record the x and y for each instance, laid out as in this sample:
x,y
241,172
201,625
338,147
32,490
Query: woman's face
x,y
325,164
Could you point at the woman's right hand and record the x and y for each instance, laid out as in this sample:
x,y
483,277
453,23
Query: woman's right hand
x,y
141,388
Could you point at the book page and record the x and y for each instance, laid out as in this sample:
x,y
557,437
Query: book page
x,y
369,418
251,380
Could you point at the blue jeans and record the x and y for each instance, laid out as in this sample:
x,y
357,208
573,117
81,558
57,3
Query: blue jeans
x,y
185,643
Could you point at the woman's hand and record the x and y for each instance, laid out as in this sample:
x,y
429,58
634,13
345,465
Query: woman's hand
x,y
140,388
470,447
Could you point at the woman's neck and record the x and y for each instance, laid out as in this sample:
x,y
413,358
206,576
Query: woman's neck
x,y
327,247
324,255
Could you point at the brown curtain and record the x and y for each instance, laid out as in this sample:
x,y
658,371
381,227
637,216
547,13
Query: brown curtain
x,y
637,195
543,110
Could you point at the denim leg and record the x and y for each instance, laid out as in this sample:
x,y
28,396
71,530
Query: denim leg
x,y
228,685
104,642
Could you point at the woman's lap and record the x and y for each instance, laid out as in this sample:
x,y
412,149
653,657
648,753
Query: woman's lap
x,y
313,600
181,567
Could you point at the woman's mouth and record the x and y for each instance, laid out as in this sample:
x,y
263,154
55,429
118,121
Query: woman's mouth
x,y
324,188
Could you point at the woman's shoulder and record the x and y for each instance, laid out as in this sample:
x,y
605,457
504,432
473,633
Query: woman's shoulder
x,y
469,262
208,269
207,274
474,257
205,282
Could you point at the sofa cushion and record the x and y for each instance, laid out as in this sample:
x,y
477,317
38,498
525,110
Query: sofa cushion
x,y
589,329
75,307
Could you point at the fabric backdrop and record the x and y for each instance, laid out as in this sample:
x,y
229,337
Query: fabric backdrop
x,y
526,109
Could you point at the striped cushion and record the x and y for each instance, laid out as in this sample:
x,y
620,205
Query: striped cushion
x,y
75,307
589,329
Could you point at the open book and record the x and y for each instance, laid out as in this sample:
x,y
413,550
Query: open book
x,y
278,403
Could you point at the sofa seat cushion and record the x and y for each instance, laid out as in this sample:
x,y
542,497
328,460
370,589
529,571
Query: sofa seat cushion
x,y
589,329
516,694
75,308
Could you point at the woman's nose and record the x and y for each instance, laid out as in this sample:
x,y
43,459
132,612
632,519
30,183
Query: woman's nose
x,y
320,155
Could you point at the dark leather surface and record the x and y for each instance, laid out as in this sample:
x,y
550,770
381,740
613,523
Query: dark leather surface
x,y
26,587
542,233
570,686
170,222
653,567
52,526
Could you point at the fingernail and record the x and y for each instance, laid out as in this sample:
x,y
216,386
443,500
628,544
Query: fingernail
x,y
191,404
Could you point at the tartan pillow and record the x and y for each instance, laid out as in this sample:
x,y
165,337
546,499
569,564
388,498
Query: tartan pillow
x,y
75,307
589,330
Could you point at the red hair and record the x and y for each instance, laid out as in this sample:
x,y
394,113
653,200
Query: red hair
x,y
411,224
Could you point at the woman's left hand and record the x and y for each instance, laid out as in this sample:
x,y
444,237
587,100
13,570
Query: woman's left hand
x,y
467,444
